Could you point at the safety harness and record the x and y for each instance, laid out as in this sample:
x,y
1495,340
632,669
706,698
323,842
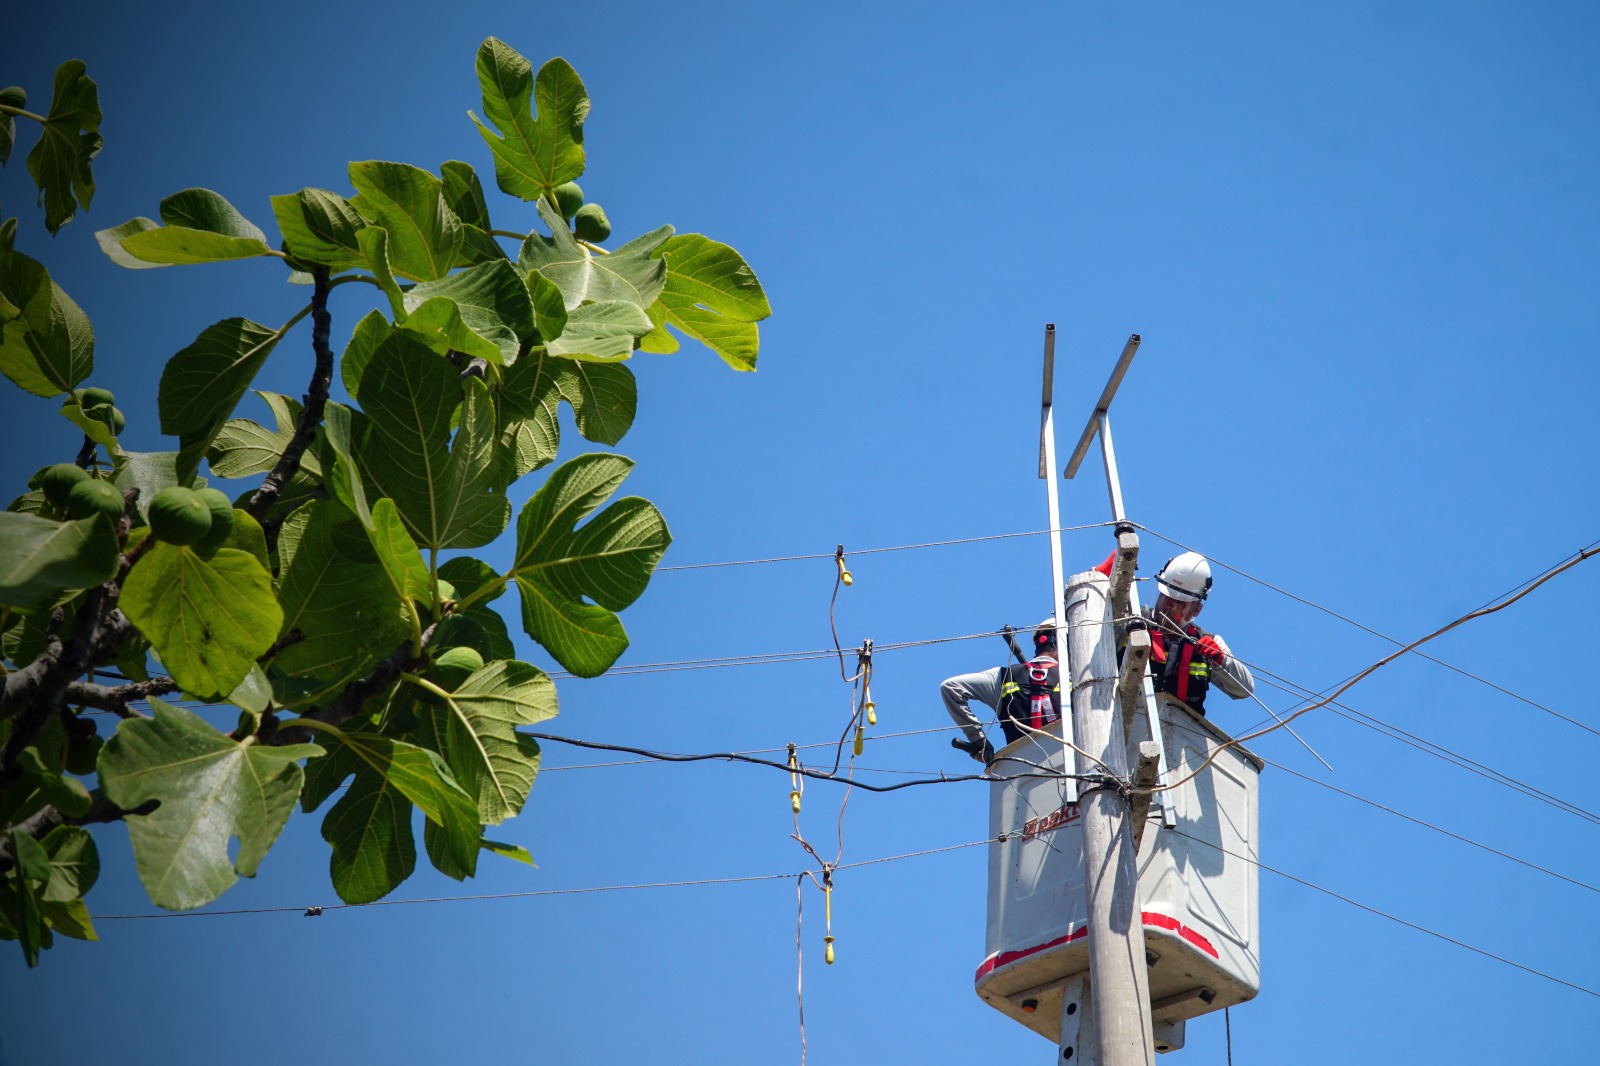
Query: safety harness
x,y
1177,669
1030,694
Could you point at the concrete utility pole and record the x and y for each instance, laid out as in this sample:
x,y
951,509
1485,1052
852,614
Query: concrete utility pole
x,y
1120,1001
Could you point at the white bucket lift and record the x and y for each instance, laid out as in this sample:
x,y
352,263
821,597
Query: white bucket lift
x,y
1199,900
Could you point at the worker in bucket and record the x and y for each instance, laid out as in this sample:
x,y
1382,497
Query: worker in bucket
x,y
1185,660
1024,696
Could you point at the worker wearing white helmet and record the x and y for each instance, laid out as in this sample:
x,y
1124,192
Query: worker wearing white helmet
x,y
1185,660
1024,696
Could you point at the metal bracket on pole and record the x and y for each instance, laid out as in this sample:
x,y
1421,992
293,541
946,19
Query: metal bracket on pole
x,y
1144,777
1078,1044
1047,471
1099,424
1130,688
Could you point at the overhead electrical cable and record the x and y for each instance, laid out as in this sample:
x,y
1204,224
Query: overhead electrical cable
x,y
1437,829
1392,640
1527,588
879,551
317,910
1429,747
1393,918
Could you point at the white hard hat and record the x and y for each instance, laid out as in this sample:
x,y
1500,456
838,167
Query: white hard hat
x,y
1186,578
1045,632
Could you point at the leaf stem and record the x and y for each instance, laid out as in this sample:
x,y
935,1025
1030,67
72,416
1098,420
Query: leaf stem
x,y
591,246
312,723
344,279
485,591
508,233
416,628
433,576
426,685
7,109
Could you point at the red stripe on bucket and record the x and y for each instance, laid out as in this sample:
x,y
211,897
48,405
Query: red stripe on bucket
x,y
1160,921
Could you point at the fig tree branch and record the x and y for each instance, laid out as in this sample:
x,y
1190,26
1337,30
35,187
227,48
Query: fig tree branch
x,y
315,400
115,698
355,695
47,818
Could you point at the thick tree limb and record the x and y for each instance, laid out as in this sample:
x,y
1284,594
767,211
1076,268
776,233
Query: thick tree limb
x,y
315,401
115,698
45,819
355,695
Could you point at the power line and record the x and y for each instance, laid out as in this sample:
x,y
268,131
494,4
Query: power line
x,y
1345,686
1429,747
770,658
1385,914
1435,828
804,771
1384,636
317,910
878,551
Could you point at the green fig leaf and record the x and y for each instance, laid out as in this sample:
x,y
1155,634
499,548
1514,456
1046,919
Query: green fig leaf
x,y
59,163
424,235
630,274
609,561
208,618
211,789
40,558
47,348
532,153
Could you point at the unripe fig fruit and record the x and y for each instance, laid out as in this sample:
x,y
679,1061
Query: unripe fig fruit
x,y
447,591
569,198
591,223
57,481
456,665
92,496
179,516
95,397
108,416
221,509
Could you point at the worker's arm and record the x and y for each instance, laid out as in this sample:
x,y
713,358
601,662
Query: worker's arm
x,y
1232,676
958,691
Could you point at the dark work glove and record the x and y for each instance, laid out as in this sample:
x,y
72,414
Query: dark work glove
x,y
980,750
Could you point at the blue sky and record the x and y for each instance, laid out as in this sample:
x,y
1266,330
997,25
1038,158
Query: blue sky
x,y
1359,245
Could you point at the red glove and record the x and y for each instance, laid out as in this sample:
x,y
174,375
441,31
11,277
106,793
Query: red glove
x,y
1211,651
1105,567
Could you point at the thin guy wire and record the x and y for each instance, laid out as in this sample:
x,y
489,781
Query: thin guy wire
x,y
1429,747
877,551
1391,917
1435,828
548,891
1358,678
1384,636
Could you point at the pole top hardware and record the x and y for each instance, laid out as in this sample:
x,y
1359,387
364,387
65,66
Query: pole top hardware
x,y
1103,404
1046,395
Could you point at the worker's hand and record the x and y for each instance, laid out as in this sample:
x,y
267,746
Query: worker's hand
x,y
1212,650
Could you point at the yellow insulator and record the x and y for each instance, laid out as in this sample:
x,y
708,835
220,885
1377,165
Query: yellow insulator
x,y
844,572
872,713
794,800
828,955
861,740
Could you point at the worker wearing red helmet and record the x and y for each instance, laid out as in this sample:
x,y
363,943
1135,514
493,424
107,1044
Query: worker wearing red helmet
x,y
1023,696
1185,660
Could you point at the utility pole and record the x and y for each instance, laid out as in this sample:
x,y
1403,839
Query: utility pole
x,y
1119,984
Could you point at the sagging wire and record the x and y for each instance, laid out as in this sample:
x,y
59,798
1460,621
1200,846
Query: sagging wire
x,y
1527,587
1382,636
